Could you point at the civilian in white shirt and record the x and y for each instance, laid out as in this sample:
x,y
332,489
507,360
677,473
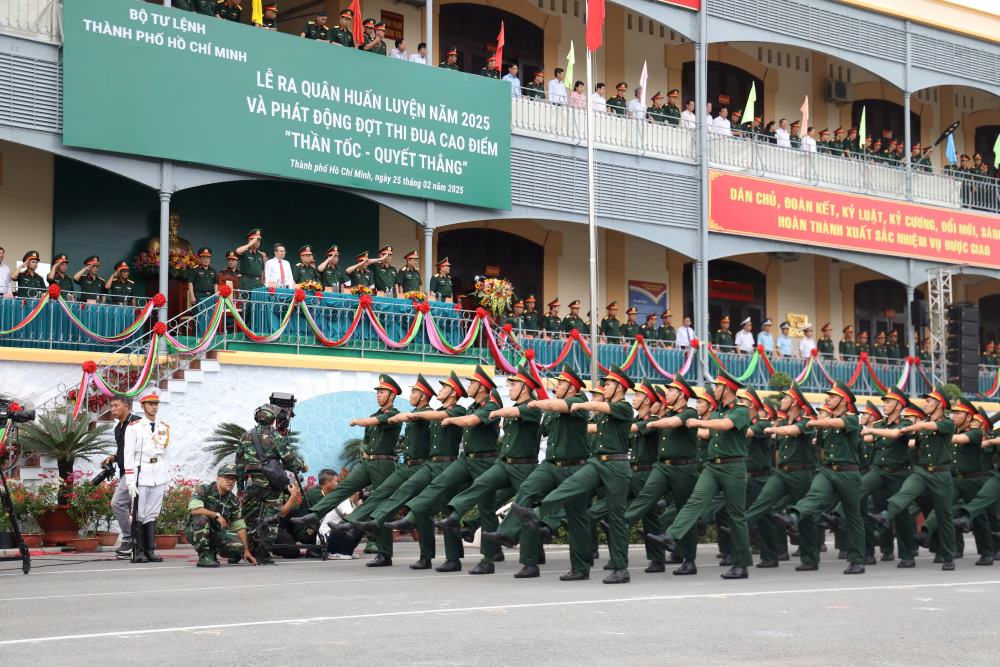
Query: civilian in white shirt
x,y
557,87
421,55
808,142
744,337
688,119
709,121
6,286
277,270
808,343
781,136
636,109
399,50
514,81
685,334
721,125
597,99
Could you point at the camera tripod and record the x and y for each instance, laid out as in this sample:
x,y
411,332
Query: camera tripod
x,y
8,507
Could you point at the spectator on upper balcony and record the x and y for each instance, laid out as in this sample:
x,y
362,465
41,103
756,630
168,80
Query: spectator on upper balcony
x,y
206,7
781,135
578,98
847,347
119,286
450,59
709,120
850,145
685,334
808,343
490,71
343,34
839,144
631,326
657,113
989,356
824,145
825,342
573,320
723,337
753,128
925,350
383,272
535,89
744,337
317,28
765,338
666,334
636,109
673,110
900,156
770,134
735,125
29,283
688,119
648,330
376,44
398,50
893,350
618,104
277,270
919,159
873,150
808,142
793,134
863,345
557,87
230,10
552,323
420,57
6,285
512,78
269,18
91,284
597,99
610,327
878,348
783,343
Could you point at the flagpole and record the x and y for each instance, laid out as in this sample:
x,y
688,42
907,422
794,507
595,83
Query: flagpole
x,y
594,313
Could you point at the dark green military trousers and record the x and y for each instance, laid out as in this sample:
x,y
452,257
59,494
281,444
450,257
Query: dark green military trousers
x,y
780,489
663,480
940,489
366,473
382,493
498,483
882,484
828,487
772,542
651,523
966,490
731,480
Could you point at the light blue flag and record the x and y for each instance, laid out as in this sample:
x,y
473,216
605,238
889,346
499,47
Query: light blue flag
x,y
949,151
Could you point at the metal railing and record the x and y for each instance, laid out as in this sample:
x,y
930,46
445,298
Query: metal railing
x,y
32,18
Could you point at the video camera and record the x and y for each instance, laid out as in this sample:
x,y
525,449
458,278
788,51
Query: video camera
x,y
286,410
108,471
17,413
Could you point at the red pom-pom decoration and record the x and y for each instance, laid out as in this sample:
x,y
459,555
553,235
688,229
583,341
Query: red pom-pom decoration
x,y
225,291
270,290
54,291
318,294
458,306
575,333
695,342
16,407
422,307
760,348
814,352
481,313
160,328
159,300
639,338
529,354
863,356
299,296
912,360
508,327
365,301
89,366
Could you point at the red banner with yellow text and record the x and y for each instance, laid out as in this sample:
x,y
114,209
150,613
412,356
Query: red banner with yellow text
x,y
763,208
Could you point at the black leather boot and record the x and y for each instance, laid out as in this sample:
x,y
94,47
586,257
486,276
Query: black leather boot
x,y
149,542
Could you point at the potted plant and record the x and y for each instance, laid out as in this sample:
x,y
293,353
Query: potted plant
x,y
86,502
173,514
59,435
30,502
106,517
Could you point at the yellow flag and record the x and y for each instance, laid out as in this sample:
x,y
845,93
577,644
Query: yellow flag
x,y
257,16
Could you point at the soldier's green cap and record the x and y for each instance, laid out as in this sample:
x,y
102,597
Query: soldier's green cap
x,y
570,376
800,399
530,298
305,250
651,316
31,254
728,380
204,251
347,12
646,387
227,470
574,304
963,404
61,257
895,394
524,375
93,259
252,233
455,383
423,386
616,374
841,389
873,410
937,393
232,255
483,378
386,382
681,385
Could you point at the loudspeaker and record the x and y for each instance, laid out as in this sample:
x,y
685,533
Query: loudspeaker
x,y
919,313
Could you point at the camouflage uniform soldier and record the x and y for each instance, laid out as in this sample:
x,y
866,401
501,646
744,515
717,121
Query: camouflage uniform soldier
x,y
260,501
215,522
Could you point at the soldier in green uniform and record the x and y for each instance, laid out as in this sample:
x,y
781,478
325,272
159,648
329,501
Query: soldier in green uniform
x,y
480,450
332,277
343,34
878,350
793,133
535,89
531,321
444,447
440,287
29,283
183,5
618,104
925,350
919,160
229,10
673,109
359,273
384,273
251,264
656,112
631,326
825,342
203,284
375,43
988,357
566,451
573,321
725,471
317,28
416,450
610,327
839,478
931,473
231,274
378,463
863,345
985,501
490,71
851,145
88,278
269,19
648,330
305,269
666,333
837,145
608,470
450,59
58,276
723,337
552,323
847,347
119,287
261,500
796,461
408,277
892,348
215,522
760,467
206,7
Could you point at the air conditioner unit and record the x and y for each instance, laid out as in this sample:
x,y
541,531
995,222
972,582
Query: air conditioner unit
x,y
838,92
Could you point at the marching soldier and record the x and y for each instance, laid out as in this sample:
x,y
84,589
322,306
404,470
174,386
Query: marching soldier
x,y
262,497
723,337
331,275
648,330
29,283
215,522
119,286
343,34
673,109
535,89
552,323
666,333
146,474
316,29
825,342
531,321
988,496
384,273
305,269
573,321
440,287
58,276
91,284
760,467
251,264
610,327
408,277
618,104
631,326
450,59
490,71
847,347
359,273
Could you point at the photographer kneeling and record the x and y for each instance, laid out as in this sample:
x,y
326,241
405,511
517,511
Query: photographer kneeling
x,y
215,524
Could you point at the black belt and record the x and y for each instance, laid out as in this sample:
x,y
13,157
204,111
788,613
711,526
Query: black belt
x,y
612,457
842,467
443,459
795,467
519,462
565,463
932,468
727,459
882,468
970,475
414,462
379,457
482,455
679,462
759,473
154,459
642,467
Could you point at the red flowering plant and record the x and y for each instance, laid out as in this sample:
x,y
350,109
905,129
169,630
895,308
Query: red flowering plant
x,y
174,512
30,501
106,516
86,501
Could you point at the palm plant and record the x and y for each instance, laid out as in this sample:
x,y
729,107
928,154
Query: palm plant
x,y
226,438
58,434
352,452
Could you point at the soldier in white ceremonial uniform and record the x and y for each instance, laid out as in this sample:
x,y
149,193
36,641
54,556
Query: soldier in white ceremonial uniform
x,y
744,337
146,474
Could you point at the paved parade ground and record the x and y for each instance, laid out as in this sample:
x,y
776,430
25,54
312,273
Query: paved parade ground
x,y
309,611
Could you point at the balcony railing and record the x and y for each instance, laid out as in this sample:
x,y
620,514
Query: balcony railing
x,y
39,19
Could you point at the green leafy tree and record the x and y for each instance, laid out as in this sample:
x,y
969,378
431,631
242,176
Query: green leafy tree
x,y
780,381
57,434
226,438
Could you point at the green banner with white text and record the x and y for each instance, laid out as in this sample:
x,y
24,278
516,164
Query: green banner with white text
x,y
142,79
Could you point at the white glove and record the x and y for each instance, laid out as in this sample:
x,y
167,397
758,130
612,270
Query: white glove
x,y
133,489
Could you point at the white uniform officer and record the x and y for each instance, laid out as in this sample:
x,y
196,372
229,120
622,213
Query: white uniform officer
x,y
146,473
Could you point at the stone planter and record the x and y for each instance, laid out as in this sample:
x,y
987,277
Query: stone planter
x,y
108,539
166,542
58,527
85,545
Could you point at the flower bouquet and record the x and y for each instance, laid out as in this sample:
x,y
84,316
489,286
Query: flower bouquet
x,y
358,290
310,286
415,295
148,263
494,294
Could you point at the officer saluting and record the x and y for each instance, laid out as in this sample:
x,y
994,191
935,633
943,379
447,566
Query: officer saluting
x,y
58,276
119,286
440,287
146,474
88,279
383,272
332,275
252,260
28,282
